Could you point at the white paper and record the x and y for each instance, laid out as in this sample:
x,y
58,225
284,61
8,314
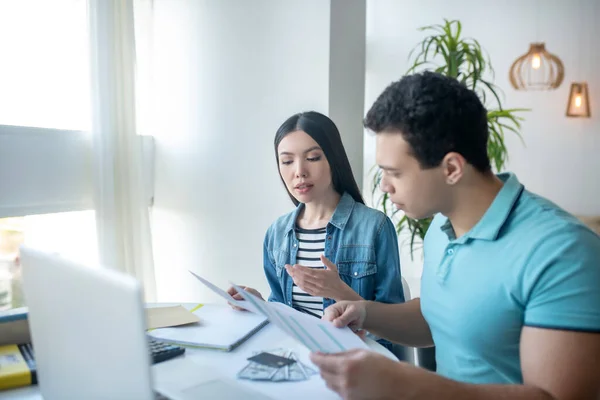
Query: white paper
x,y
315,334
220,326
225,295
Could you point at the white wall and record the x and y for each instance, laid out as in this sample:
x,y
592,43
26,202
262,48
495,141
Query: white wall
x,y
347,76
560,157
227,73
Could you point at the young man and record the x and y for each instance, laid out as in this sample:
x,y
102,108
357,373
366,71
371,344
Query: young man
x,y
511,282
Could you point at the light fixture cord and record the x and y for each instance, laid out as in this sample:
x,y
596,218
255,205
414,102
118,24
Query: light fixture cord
x,y
537,21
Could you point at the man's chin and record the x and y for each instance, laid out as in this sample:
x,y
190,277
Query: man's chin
x,y
416,216
411,214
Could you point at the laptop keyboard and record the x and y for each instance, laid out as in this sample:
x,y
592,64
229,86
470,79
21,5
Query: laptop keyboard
x,y
160,351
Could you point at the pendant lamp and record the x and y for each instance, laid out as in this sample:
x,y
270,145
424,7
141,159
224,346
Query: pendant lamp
x,y
538,69
579,101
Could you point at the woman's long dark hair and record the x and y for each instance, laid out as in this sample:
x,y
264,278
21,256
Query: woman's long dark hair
x,y
326,134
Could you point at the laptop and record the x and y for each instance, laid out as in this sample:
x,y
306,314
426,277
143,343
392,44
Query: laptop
x,y
88,332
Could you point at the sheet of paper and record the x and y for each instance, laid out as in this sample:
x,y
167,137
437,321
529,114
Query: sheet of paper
x,y
161,317
225,295
313,333
220,326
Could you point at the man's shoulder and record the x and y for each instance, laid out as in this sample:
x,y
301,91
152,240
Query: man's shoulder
x,y
547,236
538,219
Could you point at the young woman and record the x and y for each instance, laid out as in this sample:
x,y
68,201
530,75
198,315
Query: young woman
x,y
331,247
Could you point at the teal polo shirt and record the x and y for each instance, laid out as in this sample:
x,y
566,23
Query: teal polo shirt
x,y
527,262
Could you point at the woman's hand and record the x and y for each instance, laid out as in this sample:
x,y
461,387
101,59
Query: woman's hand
x,y
324,283
236,296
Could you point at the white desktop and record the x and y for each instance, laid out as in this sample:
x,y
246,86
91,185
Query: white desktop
x,y
88,365
88,333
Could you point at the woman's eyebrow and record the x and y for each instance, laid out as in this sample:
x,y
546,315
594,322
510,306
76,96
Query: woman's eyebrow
x,y
287,153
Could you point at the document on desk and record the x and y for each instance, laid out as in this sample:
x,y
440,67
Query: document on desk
x,y
315,334
242,304
219,327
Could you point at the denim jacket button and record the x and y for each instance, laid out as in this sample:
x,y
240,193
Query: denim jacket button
x,y
294,244
356,273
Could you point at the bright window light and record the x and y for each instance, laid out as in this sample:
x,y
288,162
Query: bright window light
x,y
44,72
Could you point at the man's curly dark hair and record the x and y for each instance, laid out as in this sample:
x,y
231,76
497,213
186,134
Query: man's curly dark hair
x,y
436,115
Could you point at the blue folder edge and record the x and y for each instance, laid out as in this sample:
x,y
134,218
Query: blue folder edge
x,y
15,314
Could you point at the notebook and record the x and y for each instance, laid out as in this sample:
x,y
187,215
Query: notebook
x,y
220,327
17,366
14,328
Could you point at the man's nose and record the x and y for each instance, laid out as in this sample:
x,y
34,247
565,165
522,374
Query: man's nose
x,y
385,186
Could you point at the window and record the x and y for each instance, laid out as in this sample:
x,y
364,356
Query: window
x,y
44,73
71,234
45,152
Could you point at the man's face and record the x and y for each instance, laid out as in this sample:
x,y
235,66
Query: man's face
x,y
420,193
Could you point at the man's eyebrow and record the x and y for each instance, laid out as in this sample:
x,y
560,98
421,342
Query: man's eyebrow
x,y
383,167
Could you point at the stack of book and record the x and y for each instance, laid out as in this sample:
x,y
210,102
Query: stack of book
x,y
14,328
17,366
17,363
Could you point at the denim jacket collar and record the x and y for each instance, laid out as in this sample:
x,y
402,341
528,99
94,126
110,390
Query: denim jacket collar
x,y
339,218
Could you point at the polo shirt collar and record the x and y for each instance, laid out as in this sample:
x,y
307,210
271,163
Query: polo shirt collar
x,y
496,215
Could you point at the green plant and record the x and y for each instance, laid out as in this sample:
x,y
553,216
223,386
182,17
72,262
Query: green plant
x,y
446,52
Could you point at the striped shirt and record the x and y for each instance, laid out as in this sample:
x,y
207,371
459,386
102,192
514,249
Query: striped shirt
x,y
311,246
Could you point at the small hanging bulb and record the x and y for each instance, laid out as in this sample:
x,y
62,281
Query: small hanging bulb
x,y
579,101
536,61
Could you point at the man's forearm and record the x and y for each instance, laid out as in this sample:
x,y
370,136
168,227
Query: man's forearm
x,y
428,385
401,323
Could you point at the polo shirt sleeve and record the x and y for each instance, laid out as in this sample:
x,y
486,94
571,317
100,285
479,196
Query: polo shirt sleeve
x,y
562,282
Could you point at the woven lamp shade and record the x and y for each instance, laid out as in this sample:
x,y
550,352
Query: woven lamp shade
x,y
537,70
579,101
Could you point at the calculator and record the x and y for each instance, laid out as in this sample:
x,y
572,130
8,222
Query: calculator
x,y
161,351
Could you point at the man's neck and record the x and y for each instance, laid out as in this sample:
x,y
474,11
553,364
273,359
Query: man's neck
x,y
472,200
316,214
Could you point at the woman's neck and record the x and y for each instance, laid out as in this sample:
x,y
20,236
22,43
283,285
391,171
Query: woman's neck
x,y
316,214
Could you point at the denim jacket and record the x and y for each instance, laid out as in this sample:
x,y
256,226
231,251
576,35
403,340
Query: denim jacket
x,y
360,241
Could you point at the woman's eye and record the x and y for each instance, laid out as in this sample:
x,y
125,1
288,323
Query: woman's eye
x,y
287,162
317,158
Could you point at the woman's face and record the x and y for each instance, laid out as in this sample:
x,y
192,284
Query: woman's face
x,y
304,168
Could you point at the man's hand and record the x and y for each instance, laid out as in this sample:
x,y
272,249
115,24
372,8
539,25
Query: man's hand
x,y
361,374
347,313
233,293
321,282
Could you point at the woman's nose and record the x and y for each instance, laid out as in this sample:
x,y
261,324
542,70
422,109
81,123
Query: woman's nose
x,y
300,171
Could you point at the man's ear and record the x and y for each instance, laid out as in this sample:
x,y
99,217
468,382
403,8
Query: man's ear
x,y
453,166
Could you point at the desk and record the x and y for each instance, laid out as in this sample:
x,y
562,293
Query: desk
x,y
229,363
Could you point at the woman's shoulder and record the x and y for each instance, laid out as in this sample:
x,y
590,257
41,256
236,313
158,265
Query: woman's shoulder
x,y
282,223
364,211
